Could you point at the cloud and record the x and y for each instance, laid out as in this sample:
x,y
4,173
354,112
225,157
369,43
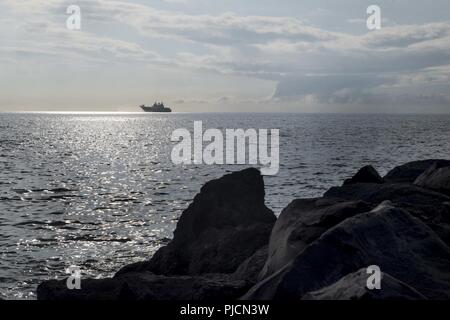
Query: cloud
x,y
223,28
397,64
406,36
190,101
175,1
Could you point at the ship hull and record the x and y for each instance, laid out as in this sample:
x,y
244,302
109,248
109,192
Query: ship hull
x,y
151,109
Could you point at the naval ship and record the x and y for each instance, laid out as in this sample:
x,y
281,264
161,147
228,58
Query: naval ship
x,y
157,107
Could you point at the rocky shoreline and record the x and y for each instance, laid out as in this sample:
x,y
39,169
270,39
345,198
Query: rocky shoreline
x,y
229,245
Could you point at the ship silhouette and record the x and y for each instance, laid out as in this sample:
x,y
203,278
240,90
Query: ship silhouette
x,y
157,107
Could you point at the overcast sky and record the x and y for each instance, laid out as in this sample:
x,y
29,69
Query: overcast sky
x,y
233,55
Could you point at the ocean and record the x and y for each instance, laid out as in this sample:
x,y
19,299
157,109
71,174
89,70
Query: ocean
x,y
99,191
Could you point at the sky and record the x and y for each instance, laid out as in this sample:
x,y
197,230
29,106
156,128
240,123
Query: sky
x,y
220,56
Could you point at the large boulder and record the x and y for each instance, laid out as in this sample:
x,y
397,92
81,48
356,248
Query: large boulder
x,y
409,172
218,249
388,237
435,178
226,223
302,222
367,174
429,206
354,287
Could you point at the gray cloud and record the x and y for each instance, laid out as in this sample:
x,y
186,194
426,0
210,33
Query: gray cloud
x,y
401,64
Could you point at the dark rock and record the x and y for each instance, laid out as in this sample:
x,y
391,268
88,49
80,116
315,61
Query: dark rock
x,y
222,229
146,286
427,205
249,270
367,174
319,248
409,172
354,287
302,222
226,224
396,192
389,237
435,178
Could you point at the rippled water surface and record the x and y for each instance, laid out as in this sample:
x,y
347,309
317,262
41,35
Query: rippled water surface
x,y
99,190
